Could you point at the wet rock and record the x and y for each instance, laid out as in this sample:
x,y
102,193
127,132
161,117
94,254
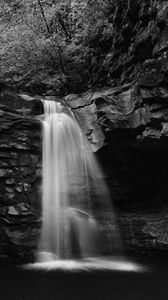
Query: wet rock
x,y
10,181
2,172
12,211
140,110
145,233
21,244
19,103
20,154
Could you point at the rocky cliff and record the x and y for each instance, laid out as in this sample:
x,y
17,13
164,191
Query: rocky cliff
x,y
132,120
136,48
127,130
131,124
20,176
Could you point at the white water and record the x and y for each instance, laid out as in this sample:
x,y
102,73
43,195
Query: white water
x,y
74,192
90,265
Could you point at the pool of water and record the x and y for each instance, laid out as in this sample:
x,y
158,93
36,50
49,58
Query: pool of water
x,y
100,279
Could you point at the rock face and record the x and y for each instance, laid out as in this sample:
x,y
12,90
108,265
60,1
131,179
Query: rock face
x,y
20,176
145,233
131,123
138,49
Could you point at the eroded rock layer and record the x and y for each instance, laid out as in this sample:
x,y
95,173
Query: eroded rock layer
x,y
20,176
131,123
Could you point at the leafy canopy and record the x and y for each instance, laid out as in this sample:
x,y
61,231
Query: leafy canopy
x,y
54,44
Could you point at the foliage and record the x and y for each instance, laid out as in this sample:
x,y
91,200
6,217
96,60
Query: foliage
x,y
50,44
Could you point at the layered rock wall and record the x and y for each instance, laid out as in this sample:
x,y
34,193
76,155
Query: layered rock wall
x,y
20,176
131,123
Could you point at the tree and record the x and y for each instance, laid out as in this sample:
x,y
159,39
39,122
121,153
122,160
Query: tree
x,y
52,43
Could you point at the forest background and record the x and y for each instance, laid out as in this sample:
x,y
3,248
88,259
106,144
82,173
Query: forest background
x,y
64,46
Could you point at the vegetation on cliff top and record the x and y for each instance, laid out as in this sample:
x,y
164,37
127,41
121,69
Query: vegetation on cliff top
x,y
48,44
70,46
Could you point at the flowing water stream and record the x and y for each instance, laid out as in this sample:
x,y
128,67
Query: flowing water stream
x,y
74,193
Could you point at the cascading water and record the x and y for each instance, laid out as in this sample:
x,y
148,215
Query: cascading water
x,y
74,192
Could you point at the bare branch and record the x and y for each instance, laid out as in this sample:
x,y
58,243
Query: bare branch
x,y
50,34
43,14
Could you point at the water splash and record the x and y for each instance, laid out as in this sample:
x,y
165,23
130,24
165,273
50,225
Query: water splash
x,y
74,192
89,265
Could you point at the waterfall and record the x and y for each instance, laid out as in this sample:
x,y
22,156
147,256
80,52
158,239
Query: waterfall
x,y
74,192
